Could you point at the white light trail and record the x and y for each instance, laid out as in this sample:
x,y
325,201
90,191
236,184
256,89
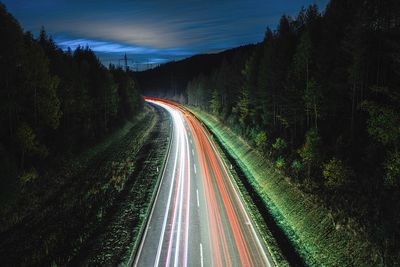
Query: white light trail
x,y
157,261
180,218
198,202
201,255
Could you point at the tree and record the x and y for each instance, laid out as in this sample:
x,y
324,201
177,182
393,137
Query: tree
x,y
301,71
384,121
49,104
215,103
12,56
312,100
245,105
383,125
309,152
243,109
28,143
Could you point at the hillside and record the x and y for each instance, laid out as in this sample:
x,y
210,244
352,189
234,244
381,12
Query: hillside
x,y
170,79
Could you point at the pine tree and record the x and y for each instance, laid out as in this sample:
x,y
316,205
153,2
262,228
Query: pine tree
x,y
215,103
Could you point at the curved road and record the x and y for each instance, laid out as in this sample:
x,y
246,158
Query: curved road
x,y
198,218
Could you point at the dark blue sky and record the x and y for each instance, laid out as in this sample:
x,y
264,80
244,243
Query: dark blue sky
x,y
153,31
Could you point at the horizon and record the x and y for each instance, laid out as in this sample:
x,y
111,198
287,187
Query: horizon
x,y
134,29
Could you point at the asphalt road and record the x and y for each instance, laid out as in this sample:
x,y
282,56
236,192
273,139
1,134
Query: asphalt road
x,y
198,217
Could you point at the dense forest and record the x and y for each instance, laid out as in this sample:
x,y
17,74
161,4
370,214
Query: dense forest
x,y
172,77
54,103
320,97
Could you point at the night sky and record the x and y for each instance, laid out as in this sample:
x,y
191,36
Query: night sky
x,y
153,31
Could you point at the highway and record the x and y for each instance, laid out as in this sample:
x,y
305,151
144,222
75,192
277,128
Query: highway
x,y
198,217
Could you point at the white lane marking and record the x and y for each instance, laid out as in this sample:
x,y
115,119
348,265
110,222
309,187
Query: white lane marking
x,y
193,152
201,255
198,202
194,165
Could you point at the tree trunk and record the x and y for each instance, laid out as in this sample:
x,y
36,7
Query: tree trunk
x,y
105,111
35,106
10,114
315,115
307,109
295,131
22,159
352,111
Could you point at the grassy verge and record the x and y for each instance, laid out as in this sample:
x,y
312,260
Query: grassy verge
x,y
90,209
118,240
305,221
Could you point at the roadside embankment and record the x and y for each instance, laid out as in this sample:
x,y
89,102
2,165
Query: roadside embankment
x,y
90,210
305,222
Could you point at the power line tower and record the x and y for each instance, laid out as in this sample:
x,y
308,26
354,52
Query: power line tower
x,y
125,59
126,62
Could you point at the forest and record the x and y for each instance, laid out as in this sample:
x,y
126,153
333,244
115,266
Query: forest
x,y
54,103
320,97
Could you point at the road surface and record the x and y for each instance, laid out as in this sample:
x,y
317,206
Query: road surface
x,y
198,218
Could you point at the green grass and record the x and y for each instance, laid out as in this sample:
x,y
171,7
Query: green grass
x,y
92,205
308,224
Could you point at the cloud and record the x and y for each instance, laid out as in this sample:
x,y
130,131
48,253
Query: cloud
x,y
159,29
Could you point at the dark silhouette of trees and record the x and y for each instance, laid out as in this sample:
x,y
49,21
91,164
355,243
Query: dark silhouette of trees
x,y
54,102
327,86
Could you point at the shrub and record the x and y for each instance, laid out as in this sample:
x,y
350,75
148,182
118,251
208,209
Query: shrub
x,y
280,144
28,142
296,167
392,169
280,163
336,173
28,176
261,141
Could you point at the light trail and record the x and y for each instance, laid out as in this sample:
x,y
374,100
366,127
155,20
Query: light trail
x,y
201,255
222,227
156,263
198,201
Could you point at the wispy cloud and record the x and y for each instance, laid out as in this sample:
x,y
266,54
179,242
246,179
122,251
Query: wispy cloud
x,y
172,27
